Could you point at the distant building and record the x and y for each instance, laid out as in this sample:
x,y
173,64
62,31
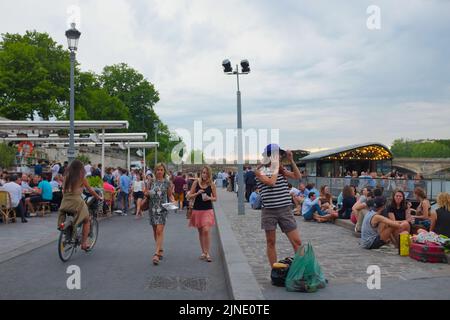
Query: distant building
x,y
371,157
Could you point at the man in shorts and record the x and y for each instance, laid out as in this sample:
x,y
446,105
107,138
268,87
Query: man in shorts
x,y
378,230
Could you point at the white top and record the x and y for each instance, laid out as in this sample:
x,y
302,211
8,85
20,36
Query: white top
x,y
54,184
138,186
26,186
55,169
88,168
294,191
15,191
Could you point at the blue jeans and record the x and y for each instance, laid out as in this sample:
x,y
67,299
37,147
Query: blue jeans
x,y
315,209
123,198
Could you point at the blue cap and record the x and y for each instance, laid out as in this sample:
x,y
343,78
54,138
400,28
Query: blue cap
x,y
273,148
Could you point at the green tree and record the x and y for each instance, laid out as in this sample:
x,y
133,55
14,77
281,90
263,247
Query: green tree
x,y
138,94
196,156
83,158
421,149
7,155
34,73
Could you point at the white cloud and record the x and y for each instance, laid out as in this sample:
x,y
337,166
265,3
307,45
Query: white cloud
x,y
318,73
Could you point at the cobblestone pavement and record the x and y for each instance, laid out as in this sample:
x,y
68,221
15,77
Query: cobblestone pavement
x,y
337,250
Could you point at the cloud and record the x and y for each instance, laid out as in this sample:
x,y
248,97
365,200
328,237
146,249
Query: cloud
x,y
318,73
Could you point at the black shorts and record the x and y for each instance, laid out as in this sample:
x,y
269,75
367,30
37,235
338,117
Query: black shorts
x,y
377,243
36,199
138,195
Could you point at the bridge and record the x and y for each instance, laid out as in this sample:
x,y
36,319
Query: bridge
x,y
426,167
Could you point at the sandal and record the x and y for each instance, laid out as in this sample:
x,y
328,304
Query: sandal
x,y
155,259
86,249
203,256
208,258
160,256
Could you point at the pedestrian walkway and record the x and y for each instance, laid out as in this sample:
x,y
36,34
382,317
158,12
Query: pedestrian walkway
x,y
343,261
120,266
19,238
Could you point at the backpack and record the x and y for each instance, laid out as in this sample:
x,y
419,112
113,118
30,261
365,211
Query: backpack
x,y
278,276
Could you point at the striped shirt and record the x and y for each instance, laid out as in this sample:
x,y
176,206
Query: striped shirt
x,y
277,196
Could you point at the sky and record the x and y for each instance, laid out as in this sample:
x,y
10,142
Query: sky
x,y
320,72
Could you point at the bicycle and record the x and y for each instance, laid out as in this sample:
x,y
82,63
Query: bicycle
x,y
70,237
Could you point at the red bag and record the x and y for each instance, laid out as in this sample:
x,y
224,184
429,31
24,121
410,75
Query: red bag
x,y
429,252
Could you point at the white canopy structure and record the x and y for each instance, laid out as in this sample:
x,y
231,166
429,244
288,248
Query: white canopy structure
x,y
140,145
120,145
59,125
51,125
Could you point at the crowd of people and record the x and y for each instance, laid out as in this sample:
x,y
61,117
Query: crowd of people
x,y
152,191
376,220
371,212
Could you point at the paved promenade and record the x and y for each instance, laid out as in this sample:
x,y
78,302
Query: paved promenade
x,y
343,261
120,266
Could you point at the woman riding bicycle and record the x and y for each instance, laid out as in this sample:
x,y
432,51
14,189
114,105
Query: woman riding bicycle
x,y
72,202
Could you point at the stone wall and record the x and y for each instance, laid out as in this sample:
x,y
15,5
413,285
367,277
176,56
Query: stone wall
x,y
113,158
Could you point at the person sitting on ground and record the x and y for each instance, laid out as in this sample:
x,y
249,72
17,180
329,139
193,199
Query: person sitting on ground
x,y
311,187
348,202
422,217
361,208
311,210
44,193
326,199
356,193
15,191
255,199
299,198
399,209
440,219
377,230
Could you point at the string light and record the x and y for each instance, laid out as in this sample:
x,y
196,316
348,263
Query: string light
x,y
375,153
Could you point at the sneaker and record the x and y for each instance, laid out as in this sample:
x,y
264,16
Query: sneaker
x,y
32,215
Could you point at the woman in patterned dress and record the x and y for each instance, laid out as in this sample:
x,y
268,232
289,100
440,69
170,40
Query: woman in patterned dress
x,y
160,192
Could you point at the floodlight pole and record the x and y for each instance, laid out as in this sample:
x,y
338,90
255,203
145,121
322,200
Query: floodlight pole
x,y
103,152
71,150
241,206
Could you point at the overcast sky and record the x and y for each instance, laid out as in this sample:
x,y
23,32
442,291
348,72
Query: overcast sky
x,y
318,73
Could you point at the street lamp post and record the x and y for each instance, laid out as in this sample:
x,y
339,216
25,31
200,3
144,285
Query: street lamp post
x,y
245,69
156,126
73,35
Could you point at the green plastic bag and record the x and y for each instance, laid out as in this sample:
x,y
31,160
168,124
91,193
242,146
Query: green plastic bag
x,y
305,274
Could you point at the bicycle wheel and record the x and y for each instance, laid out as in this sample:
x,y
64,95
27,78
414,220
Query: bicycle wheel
x,y
65,245
93,233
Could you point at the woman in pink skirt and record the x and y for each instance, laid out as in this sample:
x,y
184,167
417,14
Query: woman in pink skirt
x,y
204,192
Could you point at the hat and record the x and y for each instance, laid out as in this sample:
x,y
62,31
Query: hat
x,y
273,148
379,202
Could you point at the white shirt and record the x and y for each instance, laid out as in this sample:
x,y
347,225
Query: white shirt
x,y
54,184
138,186
88,168
55,169
15,191
294,191
26,186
